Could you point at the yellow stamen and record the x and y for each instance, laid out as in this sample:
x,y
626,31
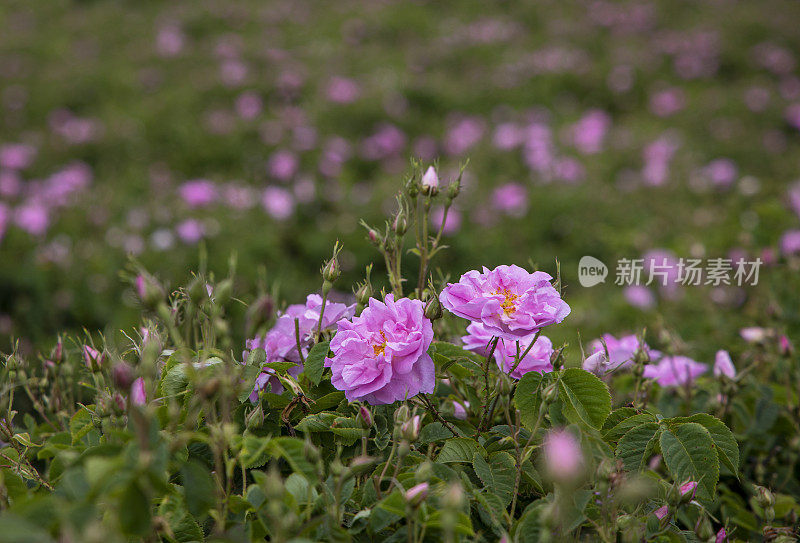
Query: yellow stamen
x,y
379,349
508,303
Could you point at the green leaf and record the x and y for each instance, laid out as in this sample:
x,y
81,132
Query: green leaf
x,y
530,527
727,447
256,357
433,432
636,446
463,524
292,450
198,488
320,422
315,361
134,511
80,424
19,530
614,433
586,398
459,449
497,475
689,453
618,415
528,399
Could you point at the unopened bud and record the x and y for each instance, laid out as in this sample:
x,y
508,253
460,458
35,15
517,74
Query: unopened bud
x,y
433,310
430,182
149,291
410,429
210,388
197,290
255,418
703,529
365,417
417,494
258,314
224,291
785,345
58,351
453,189
549,393
402,414
400,224
122,374
454,497
764,497
687,491
331,271
93,358
364,293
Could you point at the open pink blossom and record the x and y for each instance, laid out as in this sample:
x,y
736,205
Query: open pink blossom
x,y
675,371
620,353
563,457
509,301
280,342
723,365
478,339
381,356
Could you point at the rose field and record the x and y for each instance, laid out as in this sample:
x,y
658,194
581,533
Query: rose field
x,y
399,271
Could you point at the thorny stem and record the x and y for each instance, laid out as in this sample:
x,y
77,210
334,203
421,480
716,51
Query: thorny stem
x,y
433,411
486,385
297,334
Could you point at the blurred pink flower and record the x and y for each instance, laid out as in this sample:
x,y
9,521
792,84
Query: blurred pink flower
x,y
722,172
590,131
639,296
278,203
790,242
4,216
460,410
453,223
16,156
508,136
417,494
753,334
32,217
386,142
10,184
190,231
621,352
463,134
170,40
198,192
282,165
342,90
232,72
657,156
667,102
249,105
563,457
723,365
511,199
675,371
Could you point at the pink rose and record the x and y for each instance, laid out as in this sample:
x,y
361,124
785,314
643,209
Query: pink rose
x,y
381,356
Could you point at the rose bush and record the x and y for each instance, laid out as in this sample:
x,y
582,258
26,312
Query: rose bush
x,y
382,420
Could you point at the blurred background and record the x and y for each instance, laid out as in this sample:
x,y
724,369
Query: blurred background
x,y
612,129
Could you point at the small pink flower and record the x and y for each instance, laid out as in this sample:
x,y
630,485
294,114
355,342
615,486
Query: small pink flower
x,y
639,296
138,392
790,242
342,90
16,156
509,301
723,365
381,356
190,231
453,221
562,455
511,199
